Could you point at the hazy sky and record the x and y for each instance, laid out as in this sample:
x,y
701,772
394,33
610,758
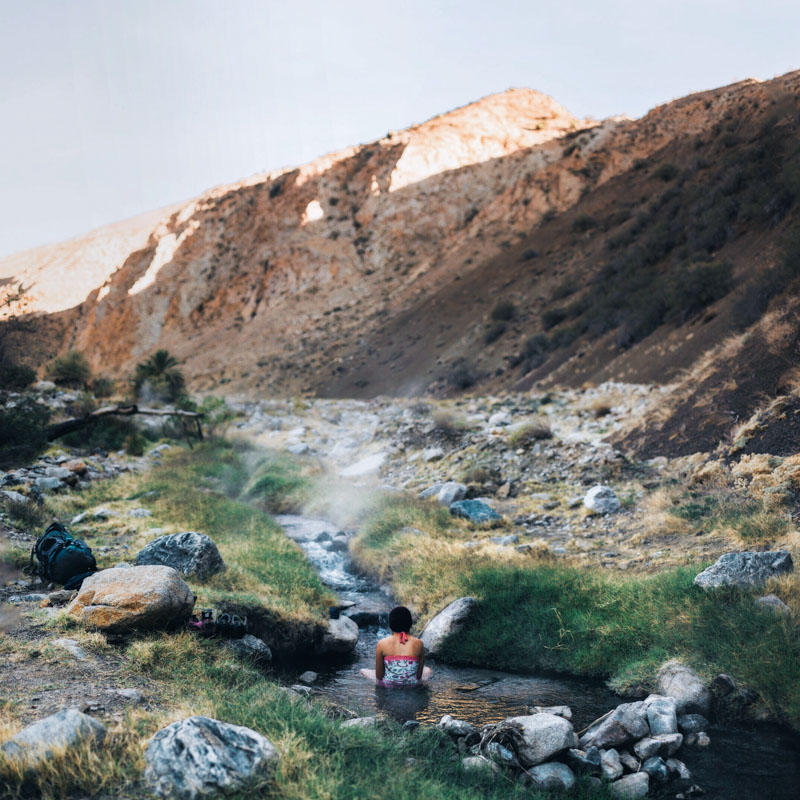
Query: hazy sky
x,y
113,107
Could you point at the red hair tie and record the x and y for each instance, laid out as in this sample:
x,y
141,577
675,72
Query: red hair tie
x,y
403,637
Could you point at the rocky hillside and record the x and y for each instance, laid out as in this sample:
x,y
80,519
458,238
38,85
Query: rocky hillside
x,y
499,245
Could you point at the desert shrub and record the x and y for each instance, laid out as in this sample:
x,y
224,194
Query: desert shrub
x,y
583,223
552,317
698,287
107,433
135,442
159,376
504,311
217,416
27,514
563,290
494,331
448,424
103,387
477,474
23,432
530,253
535,346
16,377
71,370
666,172
461,376
534,431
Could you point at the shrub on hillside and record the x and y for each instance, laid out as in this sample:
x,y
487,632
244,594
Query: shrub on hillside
x,y
530,432
666,172
461,376
23,432
503,311
583,223
16,377
552,317
71,370
217,416
103,387
494,331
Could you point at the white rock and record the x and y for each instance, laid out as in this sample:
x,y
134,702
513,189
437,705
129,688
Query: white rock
x,y
365,466
432,454
62,731
340,637
360,722
451,492
552,777
602,500
543,735
448,621
202,757
631,787
682,683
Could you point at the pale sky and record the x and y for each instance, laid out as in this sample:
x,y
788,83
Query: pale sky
x,y
109,108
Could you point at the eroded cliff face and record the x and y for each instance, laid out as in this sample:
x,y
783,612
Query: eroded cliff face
x,y
372,269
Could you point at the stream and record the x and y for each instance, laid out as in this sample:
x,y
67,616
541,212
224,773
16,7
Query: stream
x,y
743,763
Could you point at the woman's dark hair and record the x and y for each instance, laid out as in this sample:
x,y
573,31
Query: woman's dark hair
x,y
400,619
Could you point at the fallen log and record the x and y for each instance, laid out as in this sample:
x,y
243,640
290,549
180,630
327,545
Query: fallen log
x,y
78,423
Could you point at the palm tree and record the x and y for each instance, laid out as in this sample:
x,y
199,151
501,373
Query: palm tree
x,y
161,373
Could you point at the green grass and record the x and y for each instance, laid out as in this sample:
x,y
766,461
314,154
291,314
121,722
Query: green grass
x,y
534,613
199,490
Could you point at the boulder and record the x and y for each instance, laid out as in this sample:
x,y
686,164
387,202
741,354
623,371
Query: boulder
x,y
543,735
499,418
340,637
456,727
64,730
626,723
431,491
432,454
749,569
685,686
656,768
662,715
251,647
647,747
662,744
678,769
116,600
48,484
191,553
451,492
610,764
775,603
629,762
448,621
559,711
308,677
699,740
475,511
479,764
692,723
631,787
552,776
602,500
586,761
203,757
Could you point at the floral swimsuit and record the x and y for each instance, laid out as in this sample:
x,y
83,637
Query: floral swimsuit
x,y
400,670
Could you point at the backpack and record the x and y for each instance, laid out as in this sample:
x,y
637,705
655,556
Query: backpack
x,y
62,558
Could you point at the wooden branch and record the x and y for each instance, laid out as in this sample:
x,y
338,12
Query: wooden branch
x,y
78,423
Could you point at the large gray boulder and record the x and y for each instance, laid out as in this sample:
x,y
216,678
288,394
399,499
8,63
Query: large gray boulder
x,y
685,686
451,492
601,500
61,731
626,723
543,735
749,569
119,599
662,714
340,637
448,621
192,554
475,511
202,757
250,647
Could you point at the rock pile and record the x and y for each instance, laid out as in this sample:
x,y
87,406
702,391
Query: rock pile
x,y
630,748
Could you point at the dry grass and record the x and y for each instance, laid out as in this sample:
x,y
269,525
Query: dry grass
x,y
530,432
448,423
